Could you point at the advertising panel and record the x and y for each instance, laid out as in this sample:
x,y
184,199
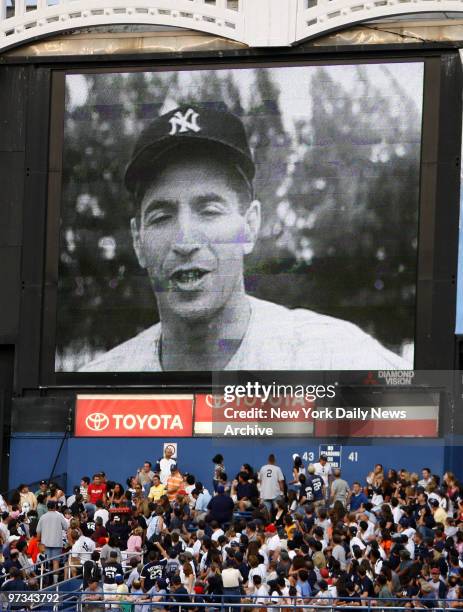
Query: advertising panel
x,y
134,416
212,415
252,416
355,413
420,421
240,219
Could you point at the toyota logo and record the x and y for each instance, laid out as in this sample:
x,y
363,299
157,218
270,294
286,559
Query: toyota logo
x,y
216,401
97,421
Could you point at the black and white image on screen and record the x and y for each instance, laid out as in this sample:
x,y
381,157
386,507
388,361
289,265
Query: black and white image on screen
x,y
195,176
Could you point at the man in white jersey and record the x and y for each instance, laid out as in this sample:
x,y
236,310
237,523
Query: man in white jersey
x,y
165,465
271,482
191,177
323,469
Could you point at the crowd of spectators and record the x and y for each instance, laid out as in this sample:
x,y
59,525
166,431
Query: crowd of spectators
x,y
310,538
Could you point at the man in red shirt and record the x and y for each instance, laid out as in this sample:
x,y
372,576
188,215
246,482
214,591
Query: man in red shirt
x,y
96,490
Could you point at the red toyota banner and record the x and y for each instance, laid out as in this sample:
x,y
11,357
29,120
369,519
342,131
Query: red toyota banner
x,y
142,416
287,416
420,421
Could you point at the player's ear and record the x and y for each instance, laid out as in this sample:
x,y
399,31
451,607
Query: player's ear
x,y
136,240
252,226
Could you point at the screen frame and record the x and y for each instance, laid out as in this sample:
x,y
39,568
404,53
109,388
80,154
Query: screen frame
x,y
437,227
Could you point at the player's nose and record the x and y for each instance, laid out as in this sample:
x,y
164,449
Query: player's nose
x,y
188,237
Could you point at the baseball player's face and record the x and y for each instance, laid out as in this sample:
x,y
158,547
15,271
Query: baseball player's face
x,y
191,238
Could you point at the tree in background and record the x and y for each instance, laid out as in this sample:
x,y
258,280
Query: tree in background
x,y
104,297
354,193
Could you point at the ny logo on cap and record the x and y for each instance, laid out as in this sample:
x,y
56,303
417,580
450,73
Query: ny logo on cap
x,y
184,122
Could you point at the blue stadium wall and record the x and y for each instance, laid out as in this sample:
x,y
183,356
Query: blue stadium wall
x,y
33,455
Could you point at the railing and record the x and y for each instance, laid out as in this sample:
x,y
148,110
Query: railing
x,y
56,598
68,570
257,23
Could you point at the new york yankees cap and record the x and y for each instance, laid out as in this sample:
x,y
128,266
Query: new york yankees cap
x,y
190,123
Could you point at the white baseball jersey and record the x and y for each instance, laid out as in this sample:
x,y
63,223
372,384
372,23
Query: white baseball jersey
x,y
83,548
270,477
277,338
164,466
324,471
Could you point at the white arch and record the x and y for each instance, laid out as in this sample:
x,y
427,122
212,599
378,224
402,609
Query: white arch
x,y
328,15
257,23
54,16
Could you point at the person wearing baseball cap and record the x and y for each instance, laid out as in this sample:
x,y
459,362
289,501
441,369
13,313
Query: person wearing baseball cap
x,y
191,179
438,585
273,541
43,488
122,592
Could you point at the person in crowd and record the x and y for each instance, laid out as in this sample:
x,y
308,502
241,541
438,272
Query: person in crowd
x,y
57,495
312,489
83,547
14,583
145,474
220,508
339,488
91,570
112,545
28,501
96,491
43,489
178,592
111,568
174,482
164,466
219,469
271,482
195,547
92,596
117,497
357,497
298,469
157,489
323,469
41,505
50,533
200,501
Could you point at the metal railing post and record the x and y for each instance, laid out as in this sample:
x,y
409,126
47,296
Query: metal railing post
x,y
41,577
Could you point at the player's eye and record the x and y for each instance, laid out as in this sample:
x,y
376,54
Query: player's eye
x,y
213,208
157,218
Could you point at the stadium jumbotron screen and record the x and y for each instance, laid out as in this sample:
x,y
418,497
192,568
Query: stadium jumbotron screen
x,y
238,219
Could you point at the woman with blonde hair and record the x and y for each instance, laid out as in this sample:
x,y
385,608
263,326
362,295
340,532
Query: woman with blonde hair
x,y
72,531
27,499
452,489
134,544
187,576
375,473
